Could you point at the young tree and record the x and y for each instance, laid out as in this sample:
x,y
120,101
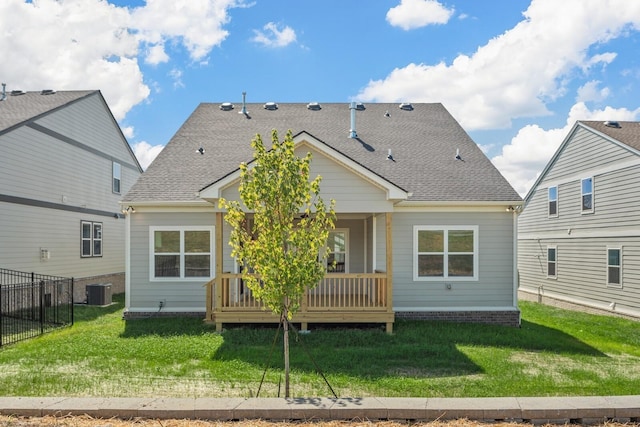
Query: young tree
x,y
286,246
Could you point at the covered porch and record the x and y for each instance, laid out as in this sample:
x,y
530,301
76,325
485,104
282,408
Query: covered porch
x,y
343,296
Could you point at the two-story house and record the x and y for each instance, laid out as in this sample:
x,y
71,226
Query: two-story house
x,y
64,166
579,232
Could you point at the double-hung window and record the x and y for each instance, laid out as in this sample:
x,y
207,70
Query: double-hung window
x,y
614,267
587,195
445,252
90,239
338,258
181,253
117,177
553,201
552,262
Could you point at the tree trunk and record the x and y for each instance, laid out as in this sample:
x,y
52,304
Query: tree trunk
x,y
285,325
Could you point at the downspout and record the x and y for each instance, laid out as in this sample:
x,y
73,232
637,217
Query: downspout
x,y
515,262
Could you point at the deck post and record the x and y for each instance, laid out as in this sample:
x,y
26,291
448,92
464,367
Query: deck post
x,y
218,280
389,266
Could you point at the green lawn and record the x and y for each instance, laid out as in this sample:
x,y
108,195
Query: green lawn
x,y
554,353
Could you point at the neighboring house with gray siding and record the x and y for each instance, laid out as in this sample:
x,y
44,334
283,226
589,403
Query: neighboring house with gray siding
x,y
579,232
426,225
64,166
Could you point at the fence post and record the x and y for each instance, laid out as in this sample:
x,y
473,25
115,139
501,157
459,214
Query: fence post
x,y
72,302
1,317
41,306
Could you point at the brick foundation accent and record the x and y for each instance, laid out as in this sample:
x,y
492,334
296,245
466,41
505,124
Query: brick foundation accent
x,y
80,285
505,318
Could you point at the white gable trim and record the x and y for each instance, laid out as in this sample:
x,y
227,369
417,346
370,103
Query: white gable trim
x,y
394,193
561,148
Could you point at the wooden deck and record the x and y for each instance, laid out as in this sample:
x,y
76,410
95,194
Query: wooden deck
x,y
339,298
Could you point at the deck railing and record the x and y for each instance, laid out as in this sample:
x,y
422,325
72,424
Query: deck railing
x,y
336,292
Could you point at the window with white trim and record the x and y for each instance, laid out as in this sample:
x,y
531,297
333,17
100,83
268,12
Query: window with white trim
x,y
552,262
117,177
90,239
181,253
553,201
614,267
445,252
587,195
338,258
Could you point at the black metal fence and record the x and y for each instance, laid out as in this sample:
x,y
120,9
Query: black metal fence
x,y
32,304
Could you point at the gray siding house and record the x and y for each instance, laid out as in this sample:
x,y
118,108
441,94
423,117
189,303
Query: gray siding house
x,y
426,224
579,232
64,166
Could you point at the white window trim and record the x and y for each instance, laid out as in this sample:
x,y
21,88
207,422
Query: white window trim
x,y
447,228
346,247
593,196
181,229
555,248
116,173
613,285
91,239
557,202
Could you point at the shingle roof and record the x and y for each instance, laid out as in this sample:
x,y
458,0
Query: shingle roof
x,y
17,109
628,132
423,143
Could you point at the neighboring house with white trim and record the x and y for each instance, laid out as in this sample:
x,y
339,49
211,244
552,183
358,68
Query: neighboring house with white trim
x,y
426,225
64,166
579,232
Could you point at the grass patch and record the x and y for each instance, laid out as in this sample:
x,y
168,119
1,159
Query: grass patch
x,y
555,353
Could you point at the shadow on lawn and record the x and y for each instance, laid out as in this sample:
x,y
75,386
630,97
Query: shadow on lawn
x,y
417,349
87,313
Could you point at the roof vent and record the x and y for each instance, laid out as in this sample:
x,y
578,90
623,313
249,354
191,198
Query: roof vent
x,y
360,106
244,105
270,106
612,124
314,106
406,106
226,106
47,92
17,92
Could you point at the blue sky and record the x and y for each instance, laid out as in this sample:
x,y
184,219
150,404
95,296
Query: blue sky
x,y
516,74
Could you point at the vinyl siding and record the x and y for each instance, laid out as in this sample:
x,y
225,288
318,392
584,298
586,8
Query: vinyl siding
x,y
44,169
26,229
582,271
494,287
582,239
350,191
145,294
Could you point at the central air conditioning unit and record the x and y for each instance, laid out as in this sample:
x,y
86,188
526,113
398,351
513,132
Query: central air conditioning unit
x,y
99,294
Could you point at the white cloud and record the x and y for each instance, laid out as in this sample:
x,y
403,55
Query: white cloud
x,y
197,24
272,36
517,73
156,55
127,131
522,161
410,14
176,76
590,92
146,153
92,44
